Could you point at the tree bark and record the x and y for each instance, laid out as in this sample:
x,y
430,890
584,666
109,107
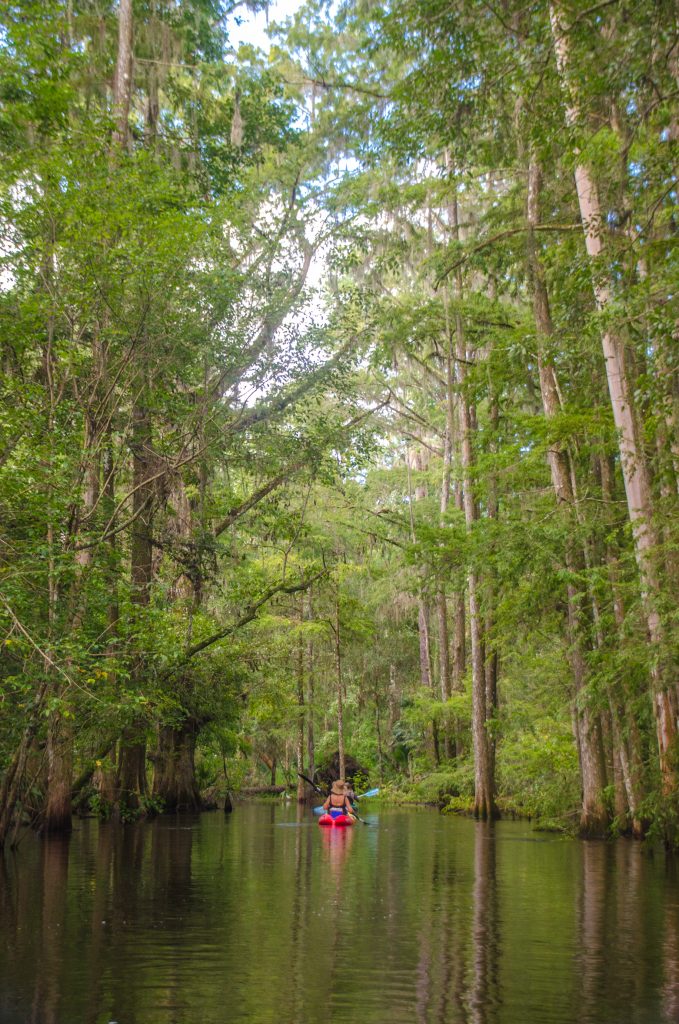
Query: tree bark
x,y
633,460
459,619
174,779
59,774
132,781
594,817
122,79
416,461
301,784
491,654
484,782
441,598
340,705
311,751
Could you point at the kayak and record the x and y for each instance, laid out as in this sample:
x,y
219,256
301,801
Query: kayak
x,y
338,820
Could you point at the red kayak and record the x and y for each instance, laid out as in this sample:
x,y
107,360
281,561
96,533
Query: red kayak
x,y
340,821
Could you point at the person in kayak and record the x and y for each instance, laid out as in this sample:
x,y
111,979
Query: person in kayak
x,y
337,802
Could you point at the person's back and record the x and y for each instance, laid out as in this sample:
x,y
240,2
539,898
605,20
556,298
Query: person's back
x,y
337,801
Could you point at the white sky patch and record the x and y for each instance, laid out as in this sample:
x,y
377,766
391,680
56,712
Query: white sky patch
x,y
246,27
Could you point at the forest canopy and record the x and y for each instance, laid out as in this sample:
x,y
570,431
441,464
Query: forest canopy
x,y
339,420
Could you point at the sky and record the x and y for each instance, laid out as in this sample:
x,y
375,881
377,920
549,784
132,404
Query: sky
x,y
252,27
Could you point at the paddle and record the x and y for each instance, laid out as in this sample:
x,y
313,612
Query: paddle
x,y
360,796
312,784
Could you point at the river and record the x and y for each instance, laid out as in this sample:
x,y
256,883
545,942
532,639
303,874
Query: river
x,y
262,917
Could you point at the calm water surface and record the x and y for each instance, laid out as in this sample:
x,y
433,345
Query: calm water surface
x,y
264,917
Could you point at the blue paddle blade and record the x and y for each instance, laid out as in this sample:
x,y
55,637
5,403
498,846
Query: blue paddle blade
x,y
318,810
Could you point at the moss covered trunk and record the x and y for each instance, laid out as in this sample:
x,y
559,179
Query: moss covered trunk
x,y
174,779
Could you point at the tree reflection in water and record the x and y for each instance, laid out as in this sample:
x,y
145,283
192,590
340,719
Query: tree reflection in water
x,y
47,994
484,988
418,918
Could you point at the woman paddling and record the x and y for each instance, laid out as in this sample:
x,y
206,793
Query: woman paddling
x,y
337,802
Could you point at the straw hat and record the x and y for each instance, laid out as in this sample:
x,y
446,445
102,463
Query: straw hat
x,y
338,787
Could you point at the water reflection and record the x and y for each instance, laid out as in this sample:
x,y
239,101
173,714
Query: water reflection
x,y
484,996
417,918
670,965
592,906
336,846
54,876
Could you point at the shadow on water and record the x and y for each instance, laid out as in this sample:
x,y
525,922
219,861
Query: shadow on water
x,y
419,918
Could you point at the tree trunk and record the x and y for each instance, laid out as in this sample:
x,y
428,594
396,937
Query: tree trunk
x,y
444,642
311,751
13,776
633,460
174,779
378,732
415,460
425,650
441,599
393,699
484,783
625,732
594,818
122,80
132,759
459,619
340,706
132,783
301,784
491,654
59,774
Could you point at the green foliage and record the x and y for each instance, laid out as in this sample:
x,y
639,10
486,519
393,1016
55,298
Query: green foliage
x,y
538,773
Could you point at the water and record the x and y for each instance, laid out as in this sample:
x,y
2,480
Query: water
x,y
264,917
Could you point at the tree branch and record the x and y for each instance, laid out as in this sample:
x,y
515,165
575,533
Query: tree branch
x,y
248,616
501,235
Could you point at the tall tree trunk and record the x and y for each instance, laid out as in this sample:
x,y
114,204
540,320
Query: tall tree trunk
x,y
484,782
393,699
459,618
484,803
122,79
340,704
301,784
414,460
425,649
491,654
441,598
311,751
594,818
132,780
625,730
633,460
378,733
57,814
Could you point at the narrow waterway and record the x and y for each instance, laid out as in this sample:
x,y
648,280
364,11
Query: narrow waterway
x,y
264,917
